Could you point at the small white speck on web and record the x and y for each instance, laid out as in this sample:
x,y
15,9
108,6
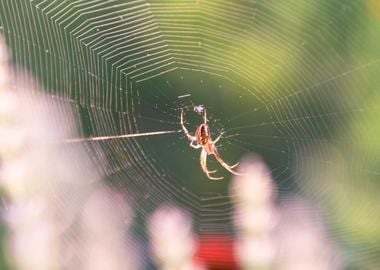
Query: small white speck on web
x,y
199,109
183,96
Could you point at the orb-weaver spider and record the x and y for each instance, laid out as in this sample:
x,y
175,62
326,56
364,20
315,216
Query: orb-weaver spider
x,y
203,140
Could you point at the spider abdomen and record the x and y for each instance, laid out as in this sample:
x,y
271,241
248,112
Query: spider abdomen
x,y
202,134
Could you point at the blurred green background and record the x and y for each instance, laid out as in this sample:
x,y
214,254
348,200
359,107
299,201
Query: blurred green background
x,y
296,82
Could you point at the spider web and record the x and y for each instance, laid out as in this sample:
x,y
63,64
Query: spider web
x,y
288,81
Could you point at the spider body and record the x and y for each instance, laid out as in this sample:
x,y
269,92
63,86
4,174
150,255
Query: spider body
x,y
203,134
203,140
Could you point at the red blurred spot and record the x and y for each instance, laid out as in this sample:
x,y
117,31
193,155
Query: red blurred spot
x,y
216,252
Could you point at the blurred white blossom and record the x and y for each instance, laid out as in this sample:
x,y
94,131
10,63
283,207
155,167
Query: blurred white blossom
x,y
172,242
302,239
106,243
56,217
255,215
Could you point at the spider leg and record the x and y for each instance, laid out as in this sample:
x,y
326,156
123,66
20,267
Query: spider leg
x,y
189,137
225,165
233,166
196,146
217,139
205,117
203,160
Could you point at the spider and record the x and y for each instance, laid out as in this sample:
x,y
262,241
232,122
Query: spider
x,y
203,140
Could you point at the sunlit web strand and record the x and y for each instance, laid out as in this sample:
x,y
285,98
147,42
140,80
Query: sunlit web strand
x,y
103,138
